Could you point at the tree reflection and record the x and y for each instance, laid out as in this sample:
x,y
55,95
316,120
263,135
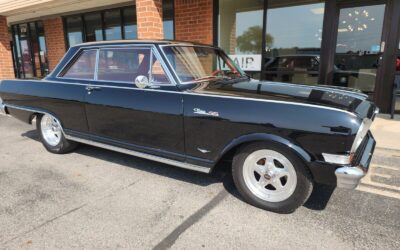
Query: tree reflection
x,y
251,40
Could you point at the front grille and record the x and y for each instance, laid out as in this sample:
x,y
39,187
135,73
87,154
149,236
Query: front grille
x,y
359,152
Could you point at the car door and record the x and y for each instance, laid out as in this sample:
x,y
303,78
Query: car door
x,y
144,118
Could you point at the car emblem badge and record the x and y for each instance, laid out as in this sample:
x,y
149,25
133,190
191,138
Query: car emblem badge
x,y
204,151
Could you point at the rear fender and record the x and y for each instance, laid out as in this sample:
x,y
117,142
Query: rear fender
x,y
26,114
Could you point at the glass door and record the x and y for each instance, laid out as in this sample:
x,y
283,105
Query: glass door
x,y
359,47
293,41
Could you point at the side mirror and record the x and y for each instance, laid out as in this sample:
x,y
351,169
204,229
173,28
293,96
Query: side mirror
x,y
141,81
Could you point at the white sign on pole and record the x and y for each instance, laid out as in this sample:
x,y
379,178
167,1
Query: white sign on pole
x,y
247,62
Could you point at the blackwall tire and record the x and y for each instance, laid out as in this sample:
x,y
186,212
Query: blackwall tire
x,y
270,176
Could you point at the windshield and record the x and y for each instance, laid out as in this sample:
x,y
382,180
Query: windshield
x,y
194,63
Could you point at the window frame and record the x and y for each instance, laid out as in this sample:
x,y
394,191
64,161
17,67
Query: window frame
x,y
123,22
71,62
193,45
154,53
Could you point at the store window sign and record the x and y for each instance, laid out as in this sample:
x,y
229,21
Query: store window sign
x,y
247,62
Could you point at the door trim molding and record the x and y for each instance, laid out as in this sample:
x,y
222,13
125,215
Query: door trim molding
x,y
140,154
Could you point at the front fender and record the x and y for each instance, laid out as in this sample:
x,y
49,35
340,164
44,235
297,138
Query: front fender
x,y
266,137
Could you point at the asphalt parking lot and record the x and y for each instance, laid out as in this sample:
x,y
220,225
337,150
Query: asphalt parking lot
x,y
97,199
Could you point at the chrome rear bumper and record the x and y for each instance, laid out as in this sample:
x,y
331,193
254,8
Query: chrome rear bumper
x,y
350,176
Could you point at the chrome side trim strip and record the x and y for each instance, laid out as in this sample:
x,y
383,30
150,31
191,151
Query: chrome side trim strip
x,y
141,155
123,150
24,108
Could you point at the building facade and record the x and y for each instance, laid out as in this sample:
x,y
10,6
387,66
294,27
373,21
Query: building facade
x,y
317,42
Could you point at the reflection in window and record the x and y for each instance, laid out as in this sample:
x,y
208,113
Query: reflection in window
x,y
199,63
74,30
123,64
29,50
114,24
358,47
112,21
240,33
83,66
158,75
396,96
168,19
130,26
93,27
293,44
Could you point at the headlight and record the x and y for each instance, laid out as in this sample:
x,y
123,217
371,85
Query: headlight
x,y
361,133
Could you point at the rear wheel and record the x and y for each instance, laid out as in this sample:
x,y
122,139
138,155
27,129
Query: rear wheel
x,y
270,176
51,135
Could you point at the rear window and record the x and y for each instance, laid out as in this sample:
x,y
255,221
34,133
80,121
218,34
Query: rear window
x,y
82,67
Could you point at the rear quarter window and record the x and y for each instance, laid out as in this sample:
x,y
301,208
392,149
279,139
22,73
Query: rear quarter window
x,y
82,67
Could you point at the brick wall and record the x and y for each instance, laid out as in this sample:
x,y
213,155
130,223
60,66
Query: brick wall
x,y
6,63
194,20
54,33
149,19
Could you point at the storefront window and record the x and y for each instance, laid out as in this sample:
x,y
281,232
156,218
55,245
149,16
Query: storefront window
x,y
396,90
93,28
114,24
358,47
74,30
112,20
130,26
29,50
293,44
168,19
240,33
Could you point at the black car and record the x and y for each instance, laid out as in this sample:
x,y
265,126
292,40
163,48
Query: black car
x,y
189,105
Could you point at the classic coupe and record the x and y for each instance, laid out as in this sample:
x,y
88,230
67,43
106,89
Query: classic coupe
x,y
190,106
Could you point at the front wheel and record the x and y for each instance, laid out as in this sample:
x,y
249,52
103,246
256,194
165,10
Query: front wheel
x,y
51,135
272,177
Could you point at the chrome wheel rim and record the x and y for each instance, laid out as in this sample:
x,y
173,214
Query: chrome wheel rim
x,y
269,175
51,130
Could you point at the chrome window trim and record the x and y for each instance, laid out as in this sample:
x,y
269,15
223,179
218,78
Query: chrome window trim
x,y
170,65
68,64
152,47
96,66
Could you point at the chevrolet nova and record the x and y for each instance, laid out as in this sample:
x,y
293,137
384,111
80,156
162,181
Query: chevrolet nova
x,y
190,106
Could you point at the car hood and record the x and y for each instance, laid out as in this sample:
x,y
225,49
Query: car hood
x,y
347,99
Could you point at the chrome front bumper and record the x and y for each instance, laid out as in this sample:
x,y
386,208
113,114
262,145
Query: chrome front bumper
x,y
2,108
350,176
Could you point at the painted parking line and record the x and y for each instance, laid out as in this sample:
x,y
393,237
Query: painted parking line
x,y
369,185
377,191
387,176
385,167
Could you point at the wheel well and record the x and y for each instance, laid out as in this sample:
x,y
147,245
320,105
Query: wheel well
x,y
33,116
228,156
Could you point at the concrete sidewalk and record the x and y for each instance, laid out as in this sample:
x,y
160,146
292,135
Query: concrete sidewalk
x,y
387,132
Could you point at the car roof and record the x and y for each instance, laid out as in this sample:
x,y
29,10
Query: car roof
x,y
138,41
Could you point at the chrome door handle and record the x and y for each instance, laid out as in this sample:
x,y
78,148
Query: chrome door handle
x,y
90,89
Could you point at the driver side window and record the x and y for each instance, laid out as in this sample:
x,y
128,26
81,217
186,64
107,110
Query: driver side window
x,y
126,64
123,64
